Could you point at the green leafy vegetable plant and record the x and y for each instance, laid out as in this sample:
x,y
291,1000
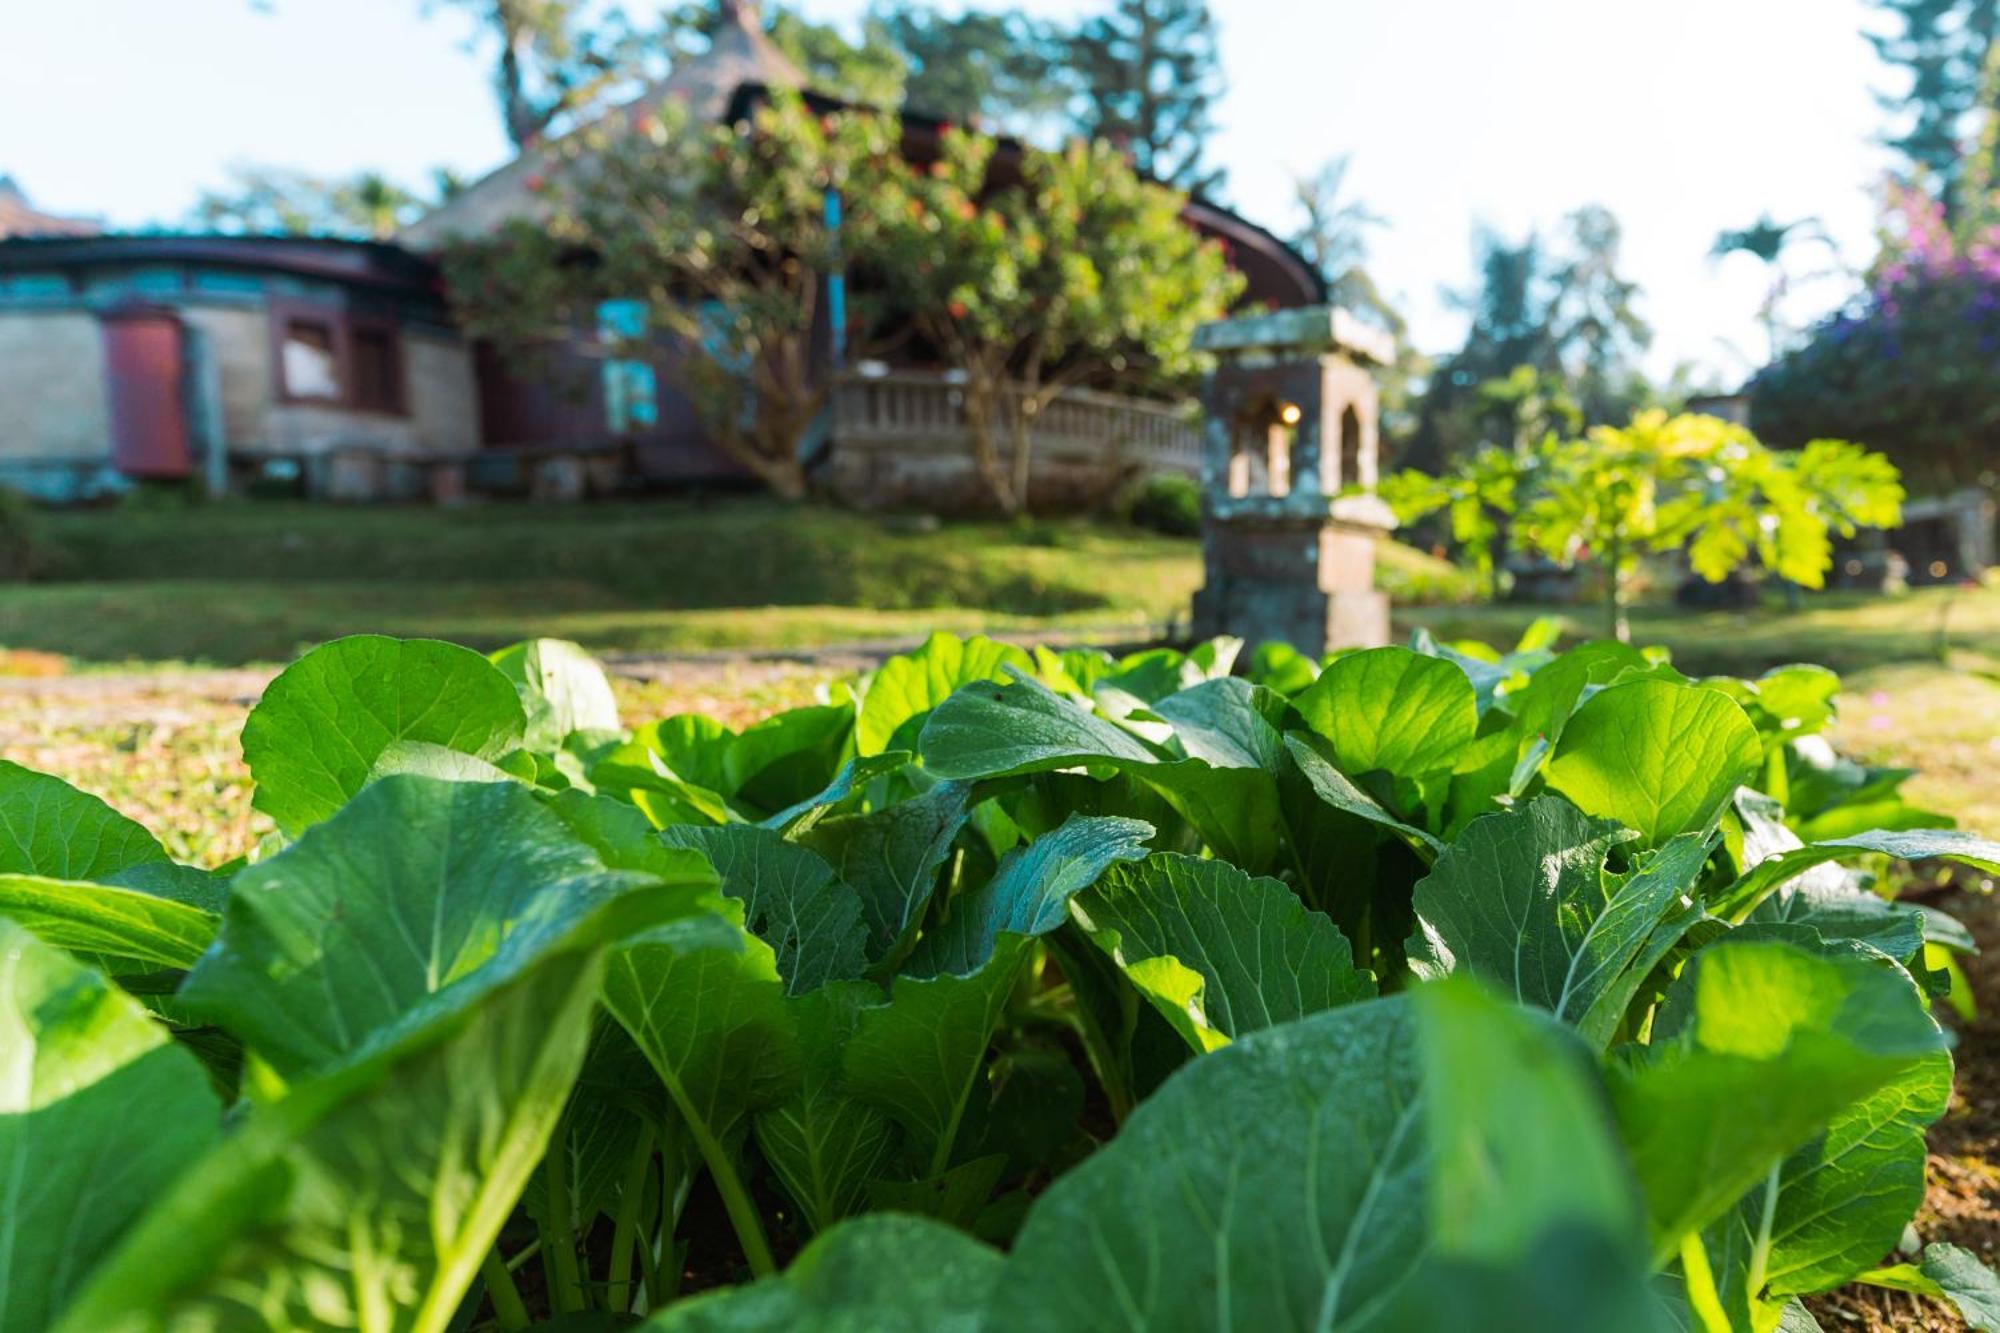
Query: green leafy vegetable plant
x,y
1423,988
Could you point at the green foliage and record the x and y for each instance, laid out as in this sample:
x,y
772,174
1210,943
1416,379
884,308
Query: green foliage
x,y
1688,483
1148,76
1169,504
1075,958
1564,313
1082,273
275,201
736,266
1001,69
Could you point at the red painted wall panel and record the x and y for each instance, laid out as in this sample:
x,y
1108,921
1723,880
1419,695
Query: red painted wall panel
x,y
143,349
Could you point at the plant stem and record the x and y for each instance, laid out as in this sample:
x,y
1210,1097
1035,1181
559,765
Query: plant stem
x,y
508,1309
1703,1299
566,1281
736,1200
624,1232
1614,592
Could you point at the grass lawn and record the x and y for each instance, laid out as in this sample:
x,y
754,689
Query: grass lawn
x,y
1920,688
233,584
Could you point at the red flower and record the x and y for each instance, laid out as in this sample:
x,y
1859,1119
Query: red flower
x,y
957,309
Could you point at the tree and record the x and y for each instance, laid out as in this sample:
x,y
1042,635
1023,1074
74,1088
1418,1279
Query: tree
x,y
1943,46
1148,77
1912,365
551,58
1478,495
1564,311
1598,333
869,72
1079,274
1332,234
1708,487
998,69
1769,241
721,233
276,201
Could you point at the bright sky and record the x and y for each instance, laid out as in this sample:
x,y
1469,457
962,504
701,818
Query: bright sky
x,y
1683,118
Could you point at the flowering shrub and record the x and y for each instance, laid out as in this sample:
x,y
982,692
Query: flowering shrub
x,y
1912,366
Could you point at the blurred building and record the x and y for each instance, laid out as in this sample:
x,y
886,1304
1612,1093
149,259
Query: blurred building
x,y
332,366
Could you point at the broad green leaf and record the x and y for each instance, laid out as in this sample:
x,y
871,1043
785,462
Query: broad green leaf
x,y
1843,1201
424,760
621,837
118,926
704,1001
1227,723
1391,710
890,857
878,1274
823,1143
1542,707
917,1056
1839,1203
1522,1140
414,898
1234,811
563,690
791,900
1952,1273
50,829
1522,900
1795,700
1759,1046
1657,757
1334,788
854,775
955,1196
1739,898
907,687
987,730
99,1111
368,1197
1293,1180
673,770
313,739
788,757
1282,668
991,731
1028,894
1218,953
1487,677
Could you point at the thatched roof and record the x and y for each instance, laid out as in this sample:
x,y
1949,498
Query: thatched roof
x,y
740,55
20,218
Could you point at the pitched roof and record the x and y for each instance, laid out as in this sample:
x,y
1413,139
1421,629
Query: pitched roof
x,y
20,218
740,54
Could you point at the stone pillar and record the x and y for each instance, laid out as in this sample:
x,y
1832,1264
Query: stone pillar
x,y
1289,510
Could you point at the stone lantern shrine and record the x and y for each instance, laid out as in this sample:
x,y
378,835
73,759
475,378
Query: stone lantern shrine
x,y
1289,514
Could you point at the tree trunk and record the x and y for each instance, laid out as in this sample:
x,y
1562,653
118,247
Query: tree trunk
x,y
1023,460
979,429
1614,594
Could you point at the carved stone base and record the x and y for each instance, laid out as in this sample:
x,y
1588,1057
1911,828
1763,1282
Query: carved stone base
x,y
1311,585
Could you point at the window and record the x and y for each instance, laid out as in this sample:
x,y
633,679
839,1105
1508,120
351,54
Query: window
x,y
332,358
631,390
311,360
378,369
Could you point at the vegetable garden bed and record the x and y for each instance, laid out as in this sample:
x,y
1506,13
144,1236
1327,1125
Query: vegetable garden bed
x,y
1433,988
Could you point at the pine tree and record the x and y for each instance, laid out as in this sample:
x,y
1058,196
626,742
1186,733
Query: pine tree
x,y
1942,45
1148,76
